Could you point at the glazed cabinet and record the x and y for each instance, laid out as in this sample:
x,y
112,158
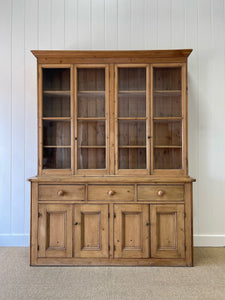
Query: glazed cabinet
x,y
112,185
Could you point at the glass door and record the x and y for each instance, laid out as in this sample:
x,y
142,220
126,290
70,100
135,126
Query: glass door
x,y
55,120
91,129
132,110
168,98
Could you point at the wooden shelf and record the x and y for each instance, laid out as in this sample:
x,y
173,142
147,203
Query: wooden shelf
x,y
91,119
132,147
92,147
56,118
167,146
90,93
56,146
167,93
132,93
132,118
167,118
56,93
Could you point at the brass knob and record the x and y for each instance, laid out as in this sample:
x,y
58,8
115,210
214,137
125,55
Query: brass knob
x,y
111,193
160,193
60,193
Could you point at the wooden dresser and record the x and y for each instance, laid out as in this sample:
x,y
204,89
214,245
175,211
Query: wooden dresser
x,y
112,185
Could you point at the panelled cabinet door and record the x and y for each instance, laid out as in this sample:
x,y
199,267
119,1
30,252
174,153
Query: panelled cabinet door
x,y
167,231
55,230
131,231
91,230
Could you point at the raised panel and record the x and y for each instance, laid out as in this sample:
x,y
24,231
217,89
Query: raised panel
x,y
131,231
55,230
167,231
91,230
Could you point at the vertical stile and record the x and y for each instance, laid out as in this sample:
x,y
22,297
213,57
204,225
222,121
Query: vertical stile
x,y
116,120
72,81
148,127
151,120
112,148
75,120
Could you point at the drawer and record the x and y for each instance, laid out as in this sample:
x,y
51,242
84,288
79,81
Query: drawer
x,y
160,192
61,192
111,192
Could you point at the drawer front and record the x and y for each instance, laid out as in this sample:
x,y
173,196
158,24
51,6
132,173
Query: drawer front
x,y
111,192
160,192
61,192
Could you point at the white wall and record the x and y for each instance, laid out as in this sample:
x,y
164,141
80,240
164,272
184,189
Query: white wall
x,y
112,24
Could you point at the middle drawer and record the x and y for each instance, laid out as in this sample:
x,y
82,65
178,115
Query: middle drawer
x,y
111,192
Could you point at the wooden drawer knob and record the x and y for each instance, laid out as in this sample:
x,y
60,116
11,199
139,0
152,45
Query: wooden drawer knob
x,y
111,193
60,193
160,193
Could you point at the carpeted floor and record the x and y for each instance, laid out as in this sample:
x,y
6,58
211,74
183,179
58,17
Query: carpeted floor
x,y
20,281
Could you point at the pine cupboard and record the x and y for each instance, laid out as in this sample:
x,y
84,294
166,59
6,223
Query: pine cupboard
x,y
112,185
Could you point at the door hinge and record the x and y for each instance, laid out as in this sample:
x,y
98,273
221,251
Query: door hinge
x,y
37,247
114,214
39,214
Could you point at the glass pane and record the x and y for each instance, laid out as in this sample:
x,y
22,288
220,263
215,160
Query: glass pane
x,y
56,79
56,106
91,133
57,158
167,105
132,79
167,78
132,133
91,158
56,133
132,158
167,158
167,133
91,79
131,105
91,106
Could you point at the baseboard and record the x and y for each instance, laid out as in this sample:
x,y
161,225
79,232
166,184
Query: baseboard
x,y
209,240
14,240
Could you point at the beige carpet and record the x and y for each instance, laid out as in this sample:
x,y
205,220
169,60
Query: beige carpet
x,y
19,281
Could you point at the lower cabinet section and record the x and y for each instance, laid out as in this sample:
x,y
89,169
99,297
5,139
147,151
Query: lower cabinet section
x,y
139,231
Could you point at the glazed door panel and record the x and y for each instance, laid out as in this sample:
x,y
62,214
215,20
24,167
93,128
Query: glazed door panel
x,y
55,230
167,231
131,231
168,95
132,119
91,230
55,119
91,119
